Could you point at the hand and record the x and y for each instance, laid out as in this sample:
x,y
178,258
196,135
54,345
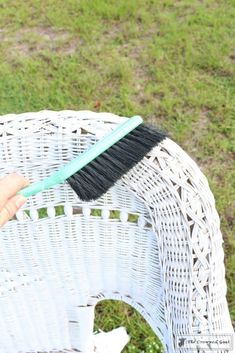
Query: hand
x,y
9,201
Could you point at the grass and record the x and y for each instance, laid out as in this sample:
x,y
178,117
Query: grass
x,y
173,62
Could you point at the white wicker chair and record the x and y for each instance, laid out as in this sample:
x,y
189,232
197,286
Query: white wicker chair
x,y
161,252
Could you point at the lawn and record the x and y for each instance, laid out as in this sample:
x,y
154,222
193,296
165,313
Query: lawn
x,y
172,62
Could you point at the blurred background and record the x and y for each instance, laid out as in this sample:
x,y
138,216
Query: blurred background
x,y
172,62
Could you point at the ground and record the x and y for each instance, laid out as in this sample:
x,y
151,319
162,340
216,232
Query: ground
x,y
172,62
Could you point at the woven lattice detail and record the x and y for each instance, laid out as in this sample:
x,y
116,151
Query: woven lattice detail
x,y
153,241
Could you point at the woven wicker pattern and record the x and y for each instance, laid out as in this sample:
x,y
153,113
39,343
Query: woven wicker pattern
x,y
160,251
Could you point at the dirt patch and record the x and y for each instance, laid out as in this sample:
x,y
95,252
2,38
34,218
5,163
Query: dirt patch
x,y
198,129
202,123
28,41
230,59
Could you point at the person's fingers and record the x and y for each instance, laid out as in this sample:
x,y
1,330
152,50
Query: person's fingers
x,y
10,208
9,185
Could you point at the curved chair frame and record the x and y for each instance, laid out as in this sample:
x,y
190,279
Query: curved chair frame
x,y
153,241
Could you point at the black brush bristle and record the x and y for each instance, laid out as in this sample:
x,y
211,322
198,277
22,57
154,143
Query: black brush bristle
x,y
97,177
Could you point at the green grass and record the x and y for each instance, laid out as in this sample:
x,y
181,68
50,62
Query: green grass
x,y
173,62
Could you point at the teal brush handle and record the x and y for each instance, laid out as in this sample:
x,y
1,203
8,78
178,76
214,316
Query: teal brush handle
x,y
83,159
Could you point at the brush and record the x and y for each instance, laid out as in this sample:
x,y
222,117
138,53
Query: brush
x,y
94,171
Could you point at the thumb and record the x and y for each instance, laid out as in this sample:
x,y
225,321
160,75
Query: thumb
x,y
10,208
